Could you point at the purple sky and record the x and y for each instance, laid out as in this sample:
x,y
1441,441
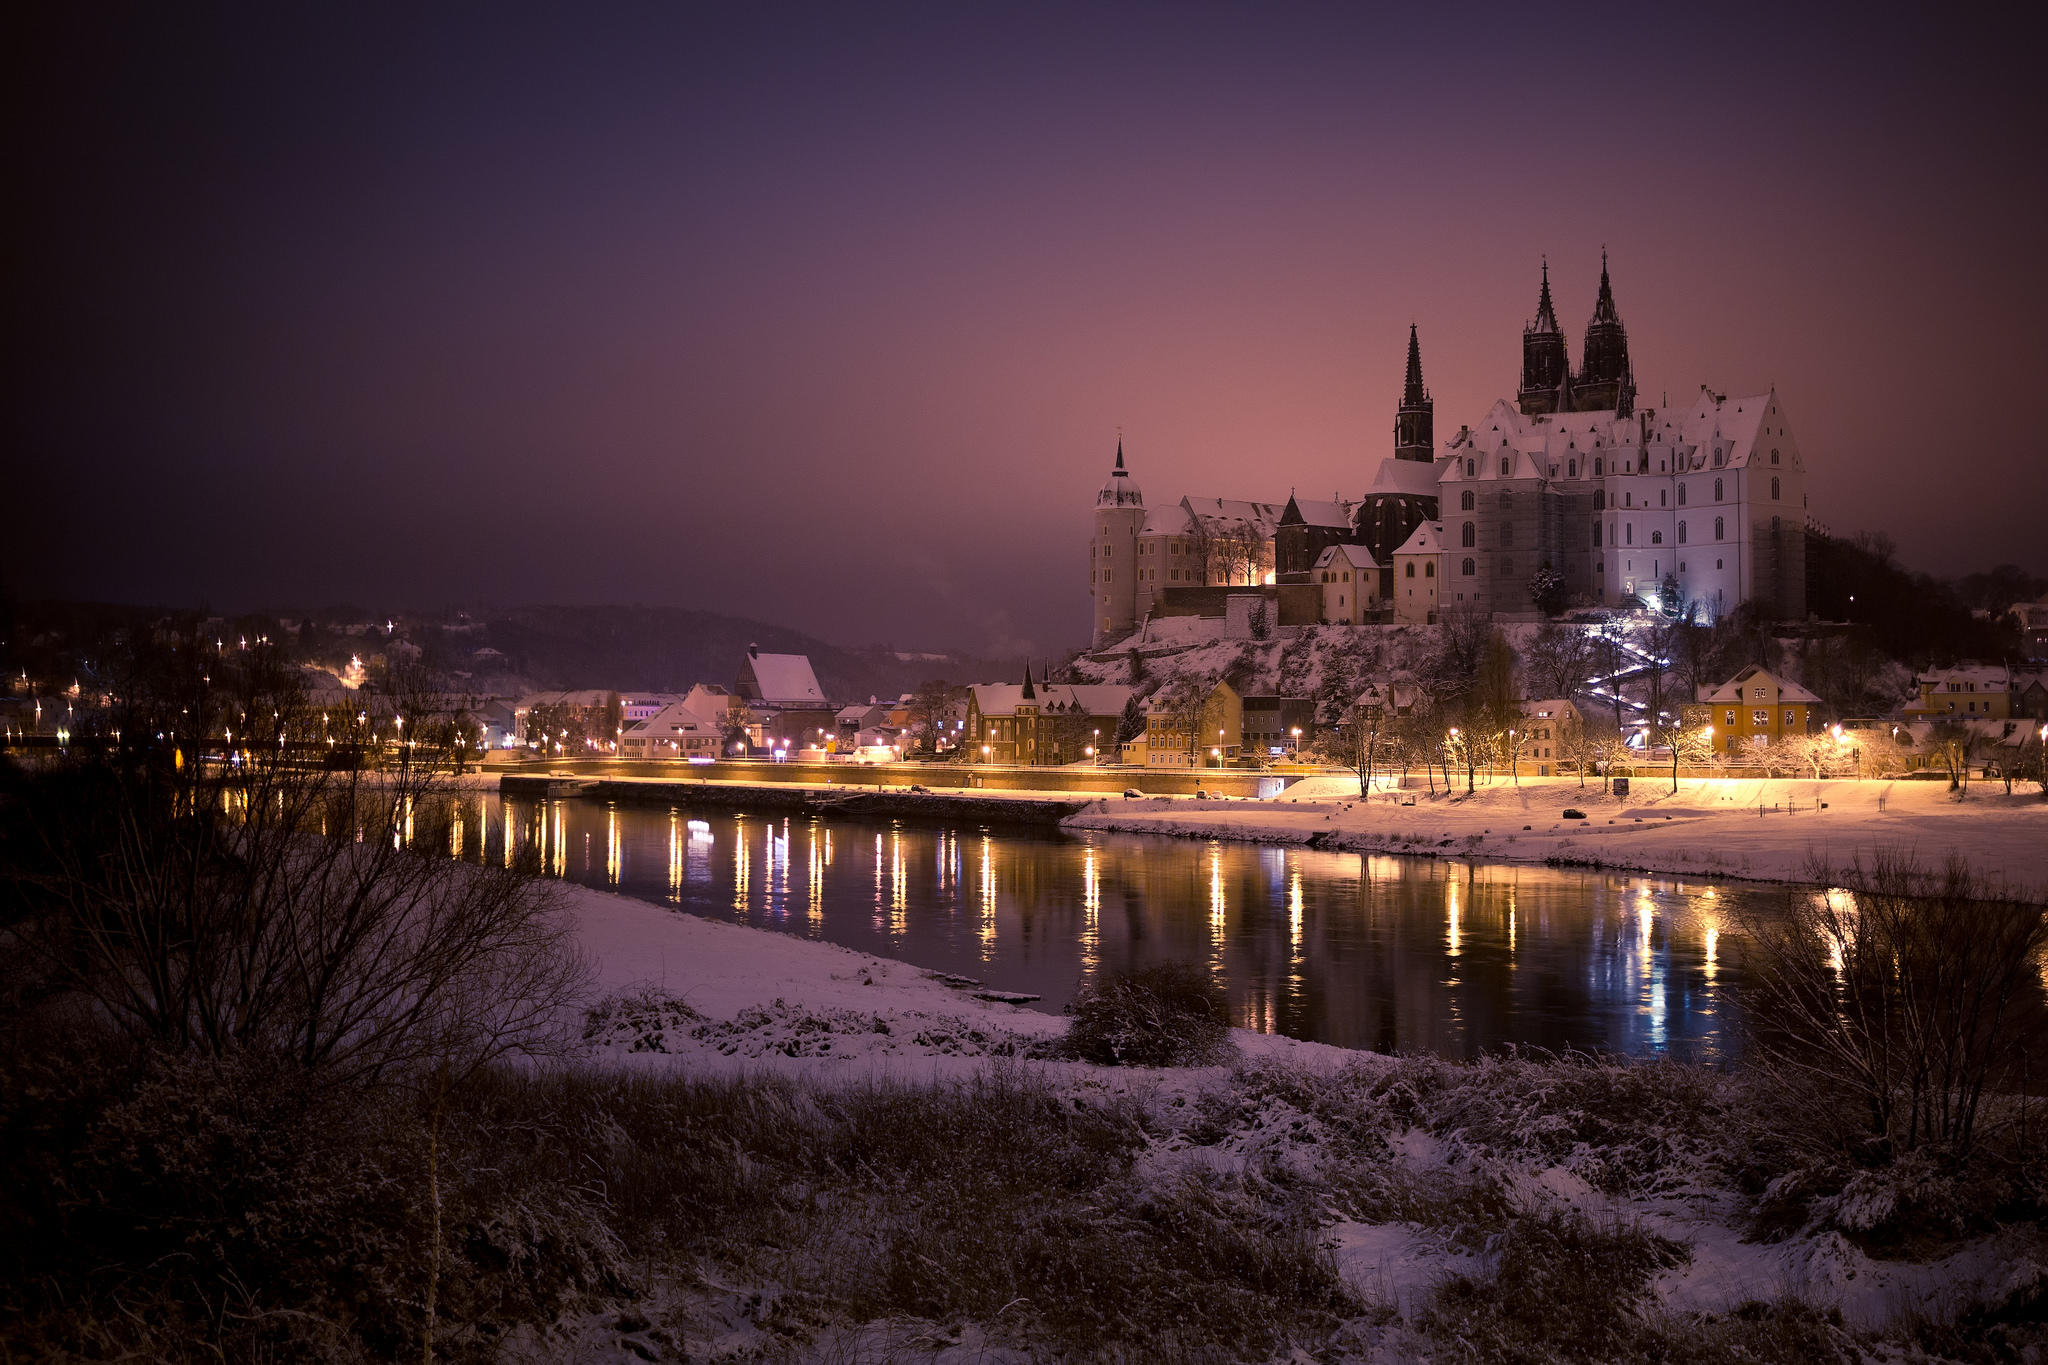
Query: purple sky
x,y
832,317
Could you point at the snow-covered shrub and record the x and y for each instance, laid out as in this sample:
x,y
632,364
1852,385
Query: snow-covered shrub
x,y
1169,1014
645,1020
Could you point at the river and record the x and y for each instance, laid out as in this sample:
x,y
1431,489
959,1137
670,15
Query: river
x,y
1396,954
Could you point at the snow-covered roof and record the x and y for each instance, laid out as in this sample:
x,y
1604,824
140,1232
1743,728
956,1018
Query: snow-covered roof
x,y
1735,427
1970,677
780,679
1738,688
1357,556
1416,478
1230,516
1426,539
1549,708
1093,699
1171,520
676,720
1325,513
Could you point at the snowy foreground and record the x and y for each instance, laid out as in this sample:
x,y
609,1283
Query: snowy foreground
x,y
1709,826
755,1003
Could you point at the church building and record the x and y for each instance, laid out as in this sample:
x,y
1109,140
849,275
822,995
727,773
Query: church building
x,y
1692,509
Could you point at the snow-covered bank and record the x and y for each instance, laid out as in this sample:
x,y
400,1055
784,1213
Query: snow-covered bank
x,y
774,996
1763,829
1422,1163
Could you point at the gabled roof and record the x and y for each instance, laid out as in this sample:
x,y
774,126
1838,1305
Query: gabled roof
x,y
1731,692
779,680
1093,699
677,720
1426,539
1357,556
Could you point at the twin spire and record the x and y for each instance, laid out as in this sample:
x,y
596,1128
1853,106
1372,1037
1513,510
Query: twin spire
x,y
1605,380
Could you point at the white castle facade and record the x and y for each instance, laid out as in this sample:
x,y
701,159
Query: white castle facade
x,y
1569,491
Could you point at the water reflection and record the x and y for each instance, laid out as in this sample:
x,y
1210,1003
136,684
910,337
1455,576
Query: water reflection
x,y
1364,951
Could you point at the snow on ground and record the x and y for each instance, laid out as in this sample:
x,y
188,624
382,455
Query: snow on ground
x,y
763,1002
1710,826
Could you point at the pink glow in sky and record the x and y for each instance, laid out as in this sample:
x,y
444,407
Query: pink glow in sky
x,y
833,317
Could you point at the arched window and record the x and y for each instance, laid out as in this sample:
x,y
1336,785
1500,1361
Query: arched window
x,y
1774,457
1429,568
1571,468
1774,488
1681,494
1411,570
1468,535
1468,568
1471,468
1630,532
1596,535
1599,500
1507,501
1717,490
1656,537
1718,524
1465,501
1598,466
1681,533
1503,465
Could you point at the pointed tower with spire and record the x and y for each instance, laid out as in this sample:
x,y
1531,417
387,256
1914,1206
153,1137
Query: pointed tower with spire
x,y
1415,419
1606,381
1113,554
1546,364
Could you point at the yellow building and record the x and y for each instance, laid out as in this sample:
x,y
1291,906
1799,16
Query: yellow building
x,y
1757,708
1183,733
1967,691
1349,582
1547,728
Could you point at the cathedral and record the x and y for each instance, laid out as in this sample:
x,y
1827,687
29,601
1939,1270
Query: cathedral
x,y
1568,495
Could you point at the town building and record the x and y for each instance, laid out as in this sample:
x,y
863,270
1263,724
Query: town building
x,y
1275,726
1756,708
1349,581
785,706
676,731
1690,509
1549,726
1186,731
1971,691
1042,724
1415,574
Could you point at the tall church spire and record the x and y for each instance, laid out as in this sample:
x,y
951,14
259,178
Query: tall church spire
x,y
1603,308
1546,316
1606,378
1546,366
1414,420
1412,393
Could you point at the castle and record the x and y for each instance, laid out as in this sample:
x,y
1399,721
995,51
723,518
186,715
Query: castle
x,y
1570,494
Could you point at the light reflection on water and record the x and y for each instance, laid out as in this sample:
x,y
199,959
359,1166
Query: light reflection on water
x,y
1396,954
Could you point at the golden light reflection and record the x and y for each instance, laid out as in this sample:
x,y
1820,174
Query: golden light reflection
x,y
815,879
742,871
558,817
612,856
898,884
1294,913
1091,911
1217,903
455,833
507,812
1712,928
675,856
1453,910
988,898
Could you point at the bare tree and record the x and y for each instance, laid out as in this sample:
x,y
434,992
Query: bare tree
x,y
1904,989
1558,659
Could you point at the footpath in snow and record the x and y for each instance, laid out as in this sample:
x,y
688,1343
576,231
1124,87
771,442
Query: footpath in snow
x,y
1709,826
